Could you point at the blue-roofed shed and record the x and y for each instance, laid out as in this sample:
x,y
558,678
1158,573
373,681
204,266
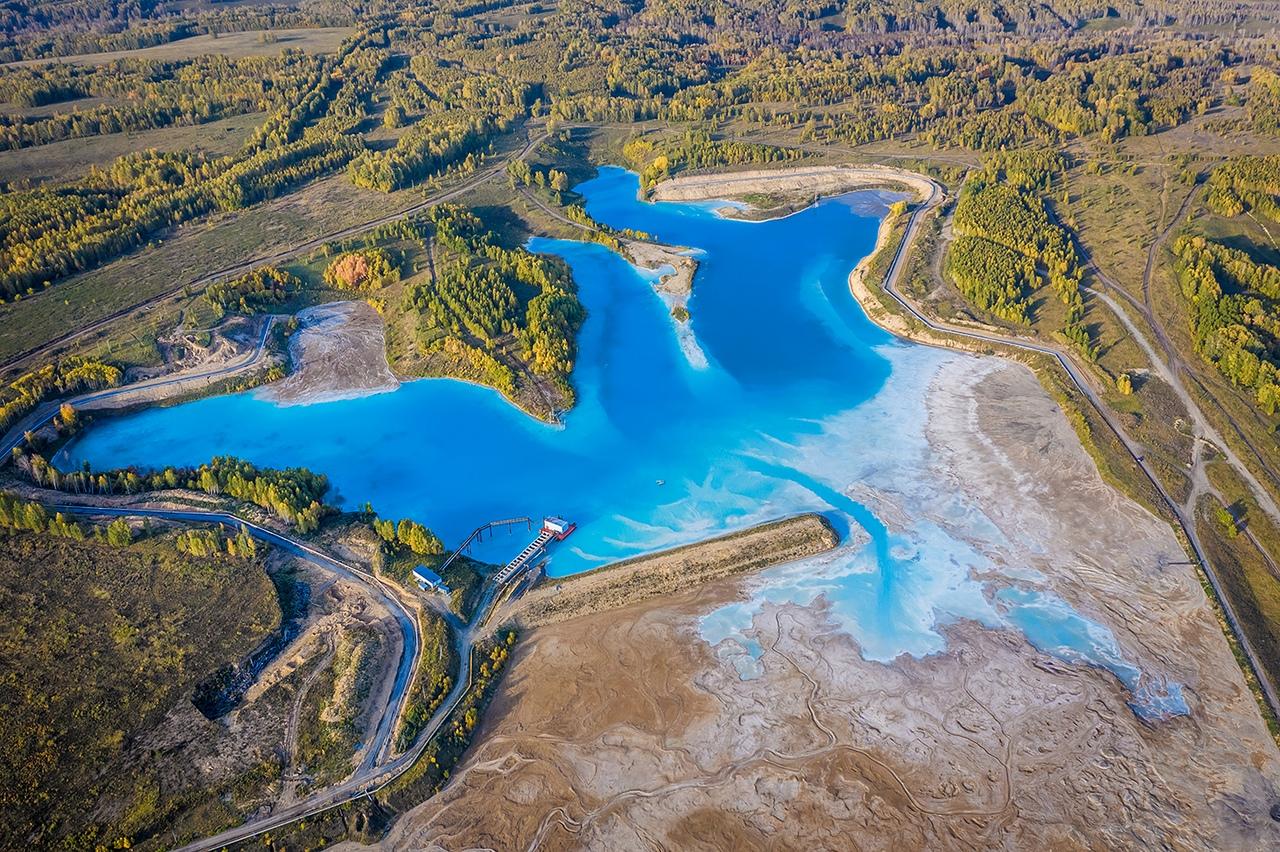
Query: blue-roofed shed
x,y
429,581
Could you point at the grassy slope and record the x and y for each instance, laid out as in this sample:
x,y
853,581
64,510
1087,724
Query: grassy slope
x,y
194,250
311,212
96,645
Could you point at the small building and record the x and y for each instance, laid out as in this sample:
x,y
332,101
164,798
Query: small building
x,y
429,581
558,527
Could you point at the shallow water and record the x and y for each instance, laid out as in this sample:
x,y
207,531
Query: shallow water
x,y
782,398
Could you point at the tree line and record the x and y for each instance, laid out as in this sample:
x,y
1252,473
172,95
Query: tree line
x,y
203,542
51,232
362,271
144,94
69,376
1001,213
255,291
17,513
427,150
409,534
657,158
293,494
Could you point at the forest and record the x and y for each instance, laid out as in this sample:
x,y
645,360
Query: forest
x,y
138,94
253,292
1246,185
49,233
657,161
361,271
474,301
422,90
64,378
1235,314
1008,242
447,88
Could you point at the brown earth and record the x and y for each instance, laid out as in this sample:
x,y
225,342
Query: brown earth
x,y
651,255
625,730
810,181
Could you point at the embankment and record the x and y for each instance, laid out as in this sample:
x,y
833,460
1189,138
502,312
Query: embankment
x,y
670,571
806,180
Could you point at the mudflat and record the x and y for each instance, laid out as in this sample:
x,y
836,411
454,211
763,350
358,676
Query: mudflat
x,y
625,729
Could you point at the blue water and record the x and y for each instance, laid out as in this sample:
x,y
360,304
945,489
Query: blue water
x,y
784,398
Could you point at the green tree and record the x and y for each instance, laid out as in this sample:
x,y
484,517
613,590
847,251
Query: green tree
x,y
119,533
1227,520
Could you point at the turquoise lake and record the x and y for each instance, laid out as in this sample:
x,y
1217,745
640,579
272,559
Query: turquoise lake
x,y
788,398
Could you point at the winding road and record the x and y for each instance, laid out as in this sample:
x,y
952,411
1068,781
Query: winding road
x,y
1172,367
378,767
1135,451
382,592
45,412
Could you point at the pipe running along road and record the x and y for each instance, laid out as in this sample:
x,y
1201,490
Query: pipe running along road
x,y
890,286
378,767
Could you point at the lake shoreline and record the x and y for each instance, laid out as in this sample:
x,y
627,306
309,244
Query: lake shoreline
x,y
1024,748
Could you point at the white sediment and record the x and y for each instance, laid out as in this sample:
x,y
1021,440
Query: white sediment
x,y
338,352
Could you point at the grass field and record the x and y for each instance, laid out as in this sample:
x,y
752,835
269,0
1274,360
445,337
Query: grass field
x,y
250,43
72,158
188,253
1231,409
192,251
46,110
95,648
1117,215
1254,591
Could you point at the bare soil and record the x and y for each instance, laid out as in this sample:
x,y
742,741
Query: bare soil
x,y
339,351
650,255
807,180
625,730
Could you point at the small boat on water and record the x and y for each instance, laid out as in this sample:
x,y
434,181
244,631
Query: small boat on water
x,y
662,482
